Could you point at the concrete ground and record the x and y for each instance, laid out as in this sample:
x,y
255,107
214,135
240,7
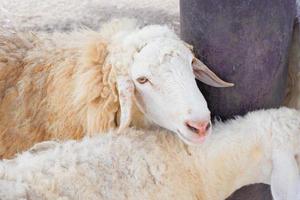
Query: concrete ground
x,y
49,15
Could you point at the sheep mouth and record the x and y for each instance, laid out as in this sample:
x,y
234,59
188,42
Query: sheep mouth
x,y
193,140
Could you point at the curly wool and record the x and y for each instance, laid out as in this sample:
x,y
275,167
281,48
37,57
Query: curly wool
x,y
54,86
155,164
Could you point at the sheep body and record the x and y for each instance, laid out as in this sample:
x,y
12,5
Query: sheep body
x,y
38,78
157,165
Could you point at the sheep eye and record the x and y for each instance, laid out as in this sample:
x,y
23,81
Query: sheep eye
x,y
142,80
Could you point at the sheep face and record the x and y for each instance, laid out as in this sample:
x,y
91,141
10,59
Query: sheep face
x,y
163,73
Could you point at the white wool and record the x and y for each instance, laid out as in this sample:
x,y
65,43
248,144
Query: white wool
x,y
157,165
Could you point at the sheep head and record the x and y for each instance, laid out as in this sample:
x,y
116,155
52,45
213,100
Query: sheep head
x,y
158,73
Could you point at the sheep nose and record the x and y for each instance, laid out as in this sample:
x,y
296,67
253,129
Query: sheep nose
x,y
200,127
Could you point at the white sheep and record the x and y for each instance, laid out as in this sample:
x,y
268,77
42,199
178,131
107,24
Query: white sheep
x,y
258,148
64,85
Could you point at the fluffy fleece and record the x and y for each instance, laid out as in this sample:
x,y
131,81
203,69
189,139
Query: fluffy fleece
x,y
260,147
58,86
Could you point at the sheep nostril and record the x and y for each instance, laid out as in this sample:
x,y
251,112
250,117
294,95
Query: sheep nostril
x,y
191,128
208,126
198,127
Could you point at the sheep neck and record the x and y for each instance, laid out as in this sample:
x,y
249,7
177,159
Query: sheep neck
x,y
229,161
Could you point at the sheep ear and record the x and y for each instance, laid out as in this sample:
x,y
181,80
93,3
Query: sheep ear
x,y
126,92
205,75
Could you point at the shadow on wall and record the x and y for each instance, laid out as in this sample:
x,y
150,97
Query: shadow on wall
x,y
292,98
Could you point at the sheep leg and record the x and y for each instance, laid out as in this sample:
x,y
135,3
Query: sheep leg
x,y
285,180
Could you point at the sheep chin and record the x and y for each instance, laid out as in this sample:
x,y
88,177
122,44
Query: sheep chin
x,y
194,140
